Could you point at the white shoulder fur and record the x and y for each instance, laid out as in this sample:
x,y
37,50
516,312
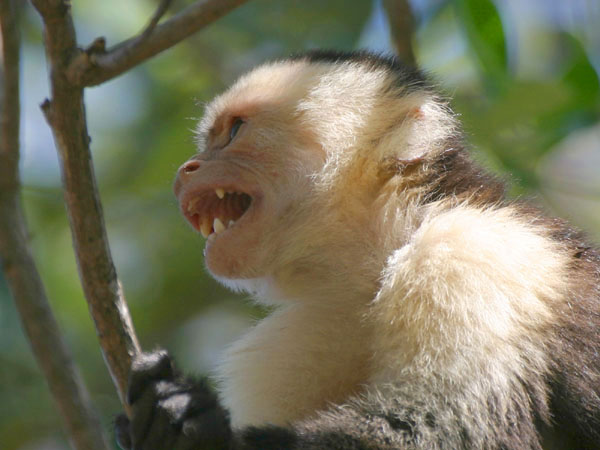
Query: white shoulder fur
x,y
468,282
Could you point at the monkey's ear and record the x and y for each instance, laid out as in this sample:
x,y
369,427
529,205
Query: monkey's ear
x,y
418,126
415,112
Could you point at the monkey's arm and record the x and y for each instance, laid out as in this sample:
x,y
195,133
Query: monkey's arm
x,y
171,412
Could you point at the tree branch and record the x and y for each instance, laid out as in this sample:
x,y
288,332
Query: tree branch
x,y
53,356
403,27
92,68
66,115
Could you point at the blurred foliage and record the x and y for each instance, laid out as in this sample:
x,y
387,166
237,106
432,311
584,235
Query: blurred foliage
x,y
483,29
521,74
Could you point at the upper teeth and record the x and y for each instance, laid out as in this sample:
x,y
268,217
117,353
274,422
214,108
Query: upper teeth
x,y
209,224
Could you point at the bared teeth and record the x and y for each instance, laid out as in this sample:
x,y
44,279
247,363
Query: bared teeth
x,y
218,225
211,216
205,227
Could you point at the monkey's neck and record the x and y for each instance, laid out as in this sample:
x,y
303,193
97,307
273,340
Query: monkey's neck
x,y
315,349
295,362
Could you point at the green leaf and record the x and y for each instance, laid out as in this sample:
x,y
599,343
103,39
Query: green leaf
x,y
484,32
581,77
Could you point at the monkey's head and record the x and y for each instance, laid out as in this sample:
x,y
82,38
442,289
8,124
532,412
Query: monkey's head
x,y
289,169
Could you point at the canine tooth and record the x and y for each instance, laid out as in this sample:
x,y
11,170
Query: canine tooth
x,y
192,203
205,228
231,222
220,192
218,225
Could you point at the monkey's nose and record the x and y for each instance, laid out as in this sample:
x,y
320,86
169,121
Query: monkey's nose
x,y
186,169
189,167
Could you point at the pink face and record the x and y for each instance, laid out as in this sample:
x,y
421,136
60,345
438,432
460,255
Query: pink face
x,y
235,192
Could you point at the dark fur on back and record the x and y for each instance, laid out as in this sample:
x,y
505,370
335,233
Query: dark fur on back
x,y
576,360
457,175
450,175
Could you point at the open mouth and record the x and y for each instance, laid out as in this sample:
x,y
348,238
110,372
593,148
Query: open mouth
x,y
215,210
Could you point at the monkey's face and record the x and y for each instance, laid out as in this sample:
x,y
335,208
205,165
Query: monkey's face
x,y
287,170
243,187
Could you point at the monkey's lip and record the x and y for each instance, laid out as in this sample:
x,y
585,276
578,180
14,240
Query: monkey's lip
x,y
214,210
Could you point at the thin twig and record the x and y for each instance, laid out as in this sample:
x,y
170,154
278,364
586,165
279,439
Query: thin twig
x,y
51,352
92,69
66,115
402,25
160,11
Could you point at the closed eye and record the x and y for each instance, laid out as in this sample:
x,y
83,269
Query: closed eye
x,y
235,126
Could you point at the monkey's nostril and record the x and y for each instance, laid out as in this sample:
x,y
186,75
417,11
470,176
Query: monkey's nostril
x,y
190,166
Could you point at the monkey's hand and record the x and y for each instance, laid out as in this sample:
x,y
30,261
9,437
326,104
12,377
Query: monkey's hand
x,y
170,411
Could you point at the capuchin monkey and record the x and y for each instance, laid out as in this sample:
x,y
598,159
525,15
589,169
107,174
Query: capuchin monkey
x,y
414,305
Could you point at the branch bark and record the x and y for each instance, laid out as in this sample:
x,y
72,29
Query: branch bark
x,y
403,26
66,115
71,69
94,67
50,350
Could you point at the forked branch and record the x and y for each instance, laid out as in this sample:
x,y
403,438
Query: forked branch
x,y
92,68
66,116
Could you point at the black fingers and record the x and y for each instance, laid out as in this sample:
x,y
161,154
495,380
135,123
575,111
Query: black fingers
x,y
170,411
158,412
146,368
205,419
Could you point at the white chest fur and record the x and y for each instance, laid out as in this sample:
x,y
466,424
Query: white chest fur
x,y
293,363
